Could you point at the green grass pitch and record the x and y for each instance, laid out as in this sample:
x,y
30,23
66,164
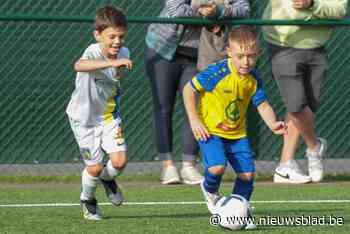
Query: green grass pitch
x,y
166,218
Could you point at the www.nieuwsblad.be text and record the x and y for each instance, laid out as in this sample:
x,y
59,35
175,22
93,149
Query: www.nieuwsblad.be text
x,y
303,220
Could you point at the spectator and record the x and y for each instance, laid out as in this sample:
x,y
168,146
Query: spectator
x,y
299,65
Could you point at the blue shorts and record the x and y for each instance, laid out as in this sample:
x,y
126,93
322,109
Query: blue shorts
x,y
216,151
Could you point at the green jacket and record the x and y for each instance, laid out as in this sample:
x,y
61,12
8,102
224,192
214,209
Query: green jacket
x,y
303,37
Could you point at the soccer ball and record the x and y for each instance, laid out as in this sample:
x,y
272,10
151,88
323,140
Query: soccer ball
x,y
233,211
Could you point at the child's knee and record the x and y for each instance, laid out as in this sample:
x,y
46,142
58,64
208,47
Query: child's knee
x,y
118,160
217,170
95,170
246,176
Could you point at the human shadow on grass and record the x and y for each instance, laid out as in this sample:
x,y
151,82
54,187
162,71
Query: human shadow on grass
x,y
313,211
165,216
260,212
198,215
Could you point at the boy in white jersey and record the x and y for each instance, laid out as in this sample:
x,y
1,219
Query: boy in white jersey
x,y
94,111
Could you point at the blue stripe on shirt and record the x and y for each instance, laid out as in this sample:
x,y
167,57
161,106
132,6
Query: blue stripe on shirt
x,y
211,76
259,96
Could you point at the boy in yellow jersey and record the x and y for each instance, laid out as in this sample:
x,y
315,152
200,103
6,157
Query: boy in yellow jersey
x,y
219,124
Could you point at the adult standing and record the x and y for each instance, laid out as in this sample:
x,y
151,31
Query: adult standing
x,y
171,57
299,65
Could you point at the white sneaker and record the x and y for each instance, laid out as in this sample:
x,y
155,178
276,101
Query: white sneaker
x,y
290,174
170,175
210,198
190,175
315,161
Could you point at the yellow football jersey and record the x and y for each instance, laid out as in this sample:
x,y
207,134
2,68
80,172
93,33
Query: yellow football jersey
x,y
224,98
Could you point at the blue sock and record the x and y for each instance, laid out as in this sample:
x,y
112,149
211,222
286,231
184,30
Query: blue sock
x,y
243,188
211,182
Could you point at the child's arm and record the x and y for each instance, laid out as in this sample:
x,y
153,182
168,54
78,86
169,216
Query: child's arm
x,y
89,65
234,9
324,9
179,8
198,129
268,115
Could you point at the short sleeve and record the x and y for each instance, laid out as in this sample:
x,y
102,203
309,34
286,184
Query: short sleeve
x,y
259,96
89,53
210,77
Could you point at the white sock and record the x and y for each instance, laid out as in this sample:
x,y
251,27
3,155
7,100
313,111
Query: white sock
x,y
109,172
89,185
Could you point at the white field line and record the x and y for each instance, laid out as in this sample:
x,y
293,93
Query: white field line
x,y
172,203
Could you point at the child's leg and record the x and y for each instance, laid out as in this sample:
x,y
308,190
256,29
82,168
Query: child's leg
x,y
88,201
213,177
89,143
91,153
91,172
89,179
114,166
113,143
244,185
241,159
214,163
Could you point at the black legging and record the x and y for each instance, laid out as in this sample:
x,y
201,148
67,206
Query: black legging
x,y
168,77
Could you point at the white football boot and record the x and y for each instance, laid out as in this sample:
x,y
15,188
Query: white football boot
x,y
210,198
91,210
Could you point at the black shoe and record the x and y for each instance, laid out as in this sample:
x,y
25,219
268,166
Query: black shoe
x,y
113,192
90,209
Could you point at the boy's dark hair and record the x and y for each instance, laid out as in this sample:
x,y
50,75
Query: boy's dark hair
x,y
109,16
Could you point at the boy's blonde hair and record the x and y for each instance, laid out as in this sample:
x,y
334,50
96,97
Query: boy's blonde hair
x,y
109,16
245,36
195,4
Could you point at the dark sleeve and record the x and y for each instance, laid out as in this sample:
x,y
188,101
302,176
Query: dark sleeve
x,y
180,8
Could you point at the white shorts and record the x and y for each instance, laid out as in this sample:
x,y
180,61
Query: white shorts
x,y
94,141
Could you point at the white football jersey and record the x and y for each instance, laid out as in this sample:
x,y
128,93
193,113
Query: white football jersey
x,y
96,95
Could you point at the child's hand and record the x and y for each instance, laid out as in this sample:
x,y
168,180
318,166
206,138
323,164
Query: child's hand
x,y
199,130
216,29
279,128
207,10
121,63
